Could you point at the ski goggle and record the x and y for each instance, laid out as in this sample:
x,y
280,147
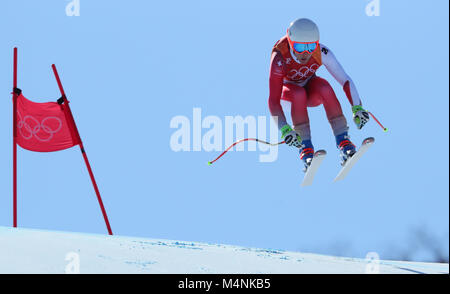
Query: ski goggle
x,y
302,47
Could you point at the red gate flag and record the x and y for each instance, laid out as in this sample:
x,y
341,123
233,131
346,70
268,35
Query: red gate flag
x,y
43,127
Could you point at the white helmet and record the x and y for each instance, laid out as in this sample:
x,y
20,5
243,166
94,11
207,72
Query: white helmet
x,y
303,30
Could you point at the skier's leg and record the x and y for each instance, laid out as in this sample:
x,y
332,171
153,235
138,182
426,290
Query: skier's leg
x,y
319,90
299,113
300,119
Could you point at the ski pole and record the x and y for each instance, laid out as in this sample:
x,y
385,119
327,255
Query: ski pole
x,y
384,129
243,140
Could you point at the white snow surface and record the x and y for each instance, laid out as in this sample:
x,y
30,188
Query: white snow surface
x,y
38,251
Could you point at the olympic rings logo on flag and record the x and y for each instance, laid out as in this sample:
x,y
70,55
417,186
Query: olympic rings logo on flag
x,y
302,73
31,132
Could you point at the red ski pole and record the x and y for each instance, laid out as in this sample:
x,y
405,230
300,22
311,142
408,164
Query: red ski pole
x,y
384,129
243,140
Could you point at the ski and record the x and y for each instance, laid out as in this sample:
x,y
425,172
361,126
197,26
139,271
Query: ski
x,y
354,159
319,156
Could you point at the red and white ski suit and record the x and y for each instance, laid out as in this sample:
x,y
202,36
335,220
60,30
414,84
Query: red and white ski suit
x,y
298,83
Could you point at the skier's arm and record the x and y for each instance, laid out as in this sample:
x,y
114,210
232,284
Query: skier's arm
x,y
338,72
276,87
360,115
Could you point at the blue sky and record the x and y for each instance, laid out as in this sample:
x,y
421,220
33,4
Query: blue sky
x,y
129,67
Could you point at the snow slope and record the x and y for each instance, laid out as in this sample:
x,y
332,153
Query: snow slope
x,y
36,251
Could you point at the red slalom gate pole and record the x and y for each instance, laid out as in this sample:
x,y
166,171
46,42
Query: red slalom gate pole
x,y
77,135
14,140
97,192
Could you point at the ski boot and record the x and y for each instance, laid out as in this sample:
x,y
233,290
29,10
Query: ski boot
x,y
345,146
306,153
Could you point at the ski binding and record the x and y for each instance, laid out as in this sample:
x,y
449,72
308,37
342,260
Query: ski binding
x,y
319,156
348,165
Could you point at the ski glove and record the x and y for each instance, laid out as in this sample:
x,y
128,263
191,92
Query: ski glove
x,y
360,116
290,137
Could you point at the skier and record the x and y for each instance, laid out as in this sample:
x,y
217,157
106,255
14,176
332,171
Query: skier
x,y
294,62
